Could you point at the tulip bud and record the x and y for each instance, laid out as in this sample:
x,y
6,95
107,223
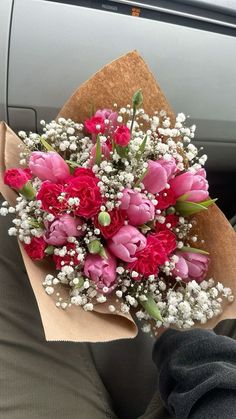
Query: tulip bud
x,y
104,218
94,247
137,99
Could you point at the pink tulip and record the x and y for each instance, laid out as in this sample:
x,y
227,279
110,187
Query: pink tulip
x,y
108,114
138,209
159,173
105,152
61,228
101,271
126,243
191,266
194,185
48,166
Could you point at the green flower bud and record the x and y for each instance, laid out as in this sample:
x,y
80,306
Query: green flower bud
x,y
104,218
49,250
137,99
80,283
94,247
28,191
170,210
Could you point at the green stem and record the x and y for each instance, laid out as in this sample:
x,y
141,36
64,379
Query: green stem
x,y
133,118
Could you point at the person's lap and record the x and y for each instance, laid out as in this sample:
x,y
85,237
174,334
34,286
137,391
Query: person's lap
x,y
62,379
37,378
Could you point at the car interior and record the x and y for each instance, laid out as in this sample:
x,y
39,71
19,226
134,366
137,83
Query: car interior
x,y
49,48
189,46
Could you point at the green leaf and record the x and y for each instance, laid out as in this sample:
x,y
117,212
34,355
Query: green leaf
x,y
187,208
35,223
208,203
183,197
138,181
103,253
98,153
72,163
193,250
151,308
47,145
145,228
141,148
122,151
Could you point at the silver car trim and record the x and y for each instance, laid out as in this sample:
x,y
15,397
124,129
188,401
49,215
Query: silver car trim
x,y
177,13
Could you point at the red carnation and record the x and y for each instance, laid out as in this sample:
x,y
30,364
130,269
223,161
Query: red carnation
x,y
150,258
71,258
117,221
122,136
16,178
171,219
28,173
166,199
49,194
85,188
168,240
35,249
95,125
79,171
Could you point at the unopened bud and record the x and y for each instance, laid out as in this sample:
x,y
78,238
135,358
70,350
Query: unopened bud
x,y
104,218
94,247
28,191
137,99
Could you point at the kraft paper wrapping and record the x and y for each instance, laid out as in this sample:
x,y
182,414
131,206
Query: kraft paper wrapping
x,y
116,82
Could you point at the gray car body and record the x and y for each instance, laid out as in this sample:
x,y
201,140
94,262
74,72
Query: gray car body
x,y
48,48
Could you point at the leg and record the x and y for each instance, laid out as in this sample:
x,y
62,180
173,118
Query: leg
x,y
39,379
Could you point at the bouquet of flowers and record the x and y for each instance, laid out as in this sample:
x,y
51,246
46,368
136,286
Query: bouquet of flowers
x,y
110,203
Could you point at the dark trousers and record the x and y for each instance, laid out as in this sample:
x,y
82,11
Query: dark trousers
x,y
64,380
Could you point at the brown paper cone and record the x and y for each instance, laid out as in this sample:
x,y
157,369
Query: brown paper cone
x,y
73,324
116,82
